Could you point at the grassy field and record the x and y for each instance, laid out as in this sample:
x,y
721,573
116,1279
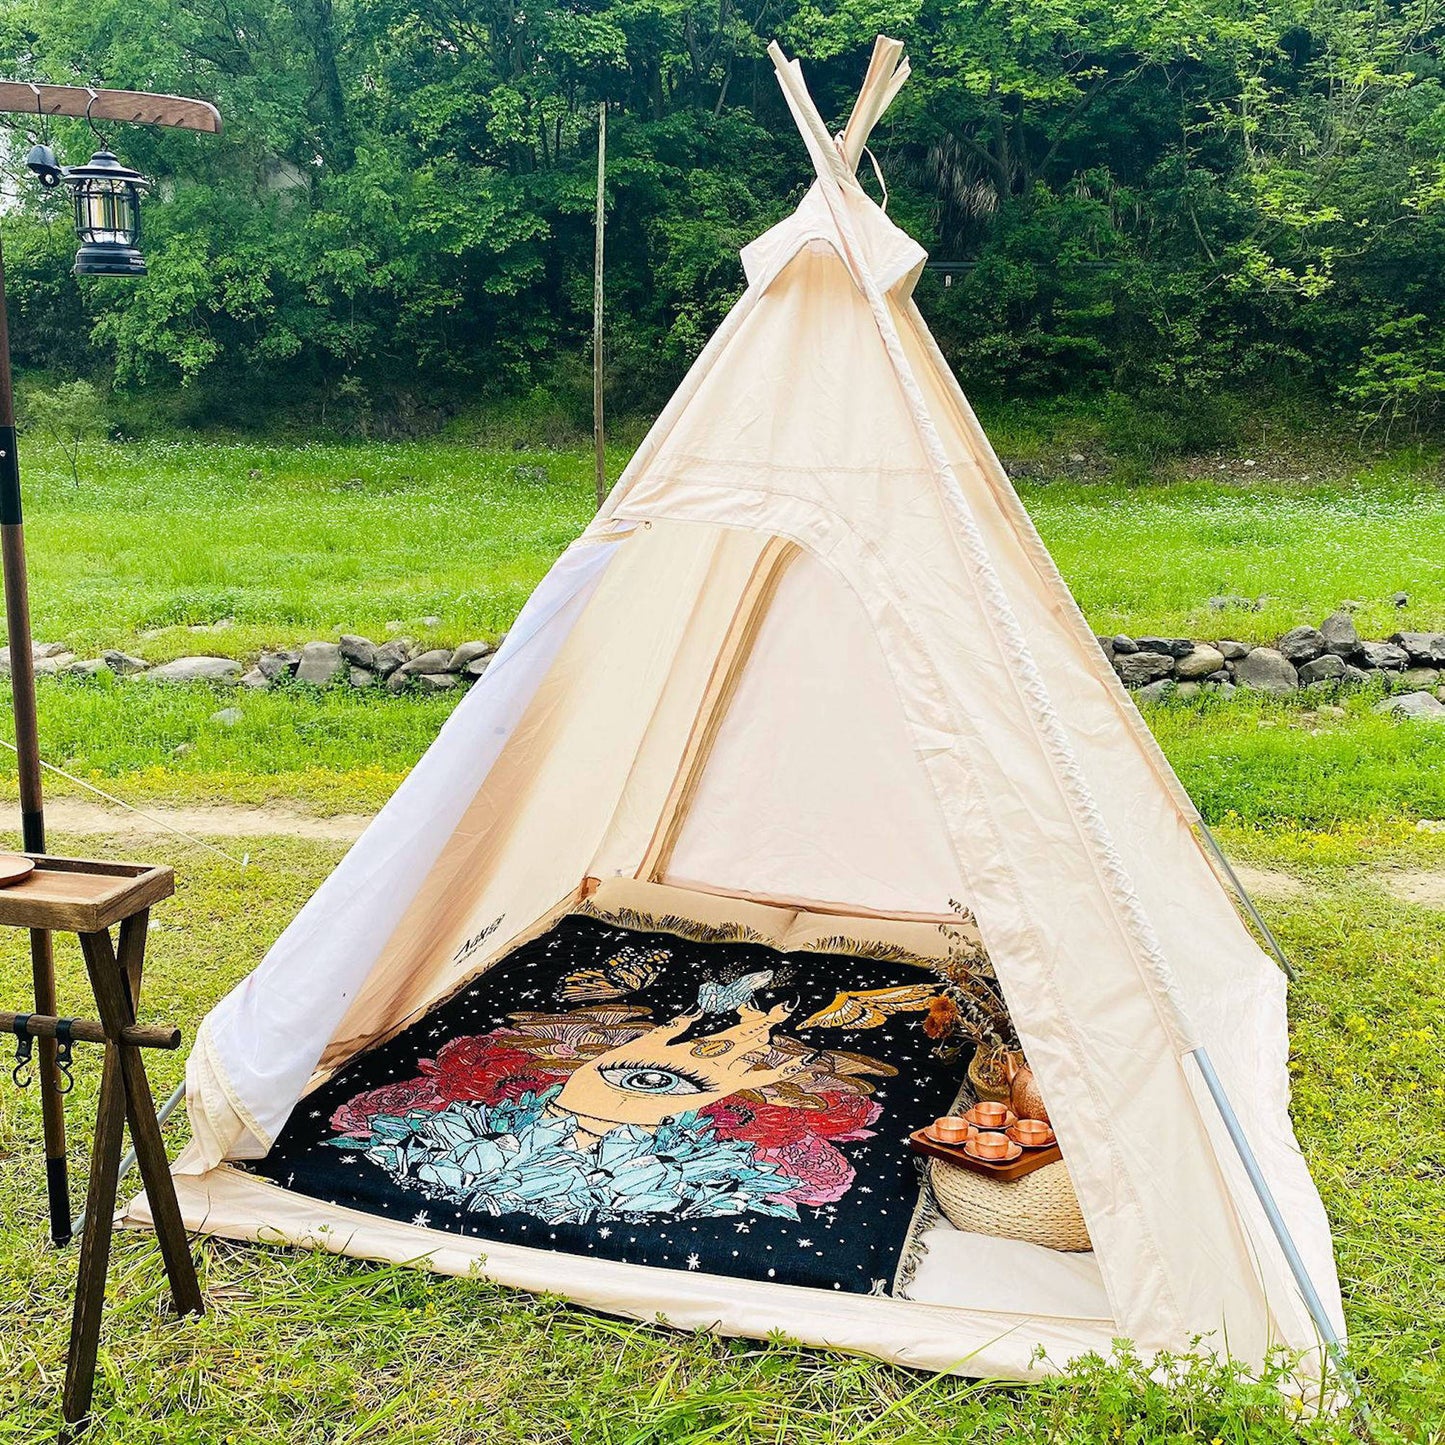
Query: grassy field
x,y
184,547
283,544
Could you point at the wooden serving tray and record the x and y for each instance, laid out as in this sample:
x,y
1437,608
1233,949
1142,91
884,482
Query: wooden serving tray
x,y
1026,1163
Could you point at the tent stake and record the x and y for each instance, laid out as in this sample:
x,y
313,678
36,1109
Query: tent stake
x,y
128,1162
1312,1300
1290,971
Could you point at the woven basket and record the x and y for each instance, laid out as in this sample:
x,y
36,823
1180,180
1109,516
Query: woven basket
x,y
1041,1208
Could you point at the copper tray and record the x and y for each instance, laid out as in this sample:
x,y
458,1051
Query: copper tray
x,y
1030,1160
14,867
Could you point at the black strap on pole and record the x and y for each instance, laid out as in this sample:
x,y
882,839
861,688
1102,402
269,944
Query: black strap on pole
x,y
64,1079
9,479
23,1045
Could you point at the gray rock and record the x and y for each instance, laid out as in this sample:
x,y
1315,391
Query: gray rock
x,y
1302,644
320,664
39,650
1329,668
1173,646
1186,691
358,651
275,666
1388,656
197,669
1415,678
1224,689
1223,675
1422,705
399,681
91,667
255,679
1338,631
361,677
395,625
1200,662
1360,676
1153,692
1233,651
122,664
1138,668
431,622
1266,670
437,681
1400,599
390,656
468,652
228,717
1426,647
476,667
55,663
1123,644
436,660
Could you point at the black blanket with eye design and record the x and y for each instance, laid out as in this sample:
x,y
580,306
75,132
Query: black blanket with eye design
x,y
639,1096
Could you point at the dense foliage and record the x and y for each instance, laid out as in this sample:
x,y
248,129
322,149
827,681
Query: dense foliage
x,y
1156,199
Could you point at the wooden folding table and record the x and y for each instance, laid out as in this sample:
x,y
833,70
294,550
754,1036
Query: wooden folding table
x,y
88,898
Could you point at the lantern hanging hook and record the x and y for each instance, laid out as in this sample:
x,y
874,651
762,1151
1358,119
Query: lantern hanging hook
x,y
90,120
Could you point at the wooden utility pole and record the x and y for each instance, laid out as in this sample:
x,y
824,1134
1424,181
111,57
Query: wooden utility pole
x,y
599,445
130,107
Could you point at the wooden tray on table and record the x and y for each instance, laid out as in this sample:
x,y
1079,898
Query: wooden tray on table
x,y
1026,1163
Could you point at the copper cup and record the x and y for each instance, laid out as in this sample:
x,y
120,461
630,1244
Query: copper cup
x,y
953,1129
1032,1133
993,1146
989,1114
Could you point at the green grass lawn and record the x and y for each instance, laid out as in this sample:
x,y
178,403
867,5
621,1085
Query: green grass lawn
x,y
287,543
304,1348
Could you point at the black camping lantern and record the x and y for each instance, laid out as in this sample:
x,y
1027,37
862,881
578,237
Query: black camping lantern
x,y
107,216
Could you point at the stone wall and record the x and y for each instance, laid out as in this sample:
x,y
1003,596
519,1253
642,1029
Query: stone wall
x,y
1320,659
353,661
1314,659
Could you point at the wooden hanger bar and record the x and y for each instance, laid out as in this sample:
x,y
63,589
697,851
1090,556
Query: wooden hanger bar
x,y
132,107
88,1031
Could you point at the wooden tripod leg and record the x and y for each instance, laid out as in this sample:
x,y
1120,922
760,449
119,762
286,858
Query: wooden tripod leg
x,y
112,996
95,1241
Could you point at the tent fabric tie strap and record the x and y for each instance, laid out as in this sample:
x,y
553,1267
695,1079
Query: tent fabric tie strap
x,y
24,1043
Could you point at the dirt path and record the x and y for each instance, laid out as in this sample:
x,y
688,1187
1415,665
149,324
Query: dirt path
x,y
1425,888
67,815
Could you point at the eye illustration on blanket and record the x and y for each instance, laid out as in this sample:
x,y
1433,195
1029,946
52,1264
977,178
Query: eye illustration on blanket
x,y
666,1070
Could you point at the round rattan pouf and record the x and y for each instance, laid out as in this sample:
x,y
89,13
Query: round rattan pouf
x,y
1041,1208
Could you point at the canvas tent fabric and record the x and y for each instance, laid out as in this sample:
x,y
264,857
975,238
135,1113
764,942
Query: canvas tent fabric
x,y
813,656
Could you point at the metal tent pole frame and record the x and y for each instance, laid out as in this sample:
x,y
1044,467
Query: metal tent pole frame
x,y
1290,971
127,1162
1313,1303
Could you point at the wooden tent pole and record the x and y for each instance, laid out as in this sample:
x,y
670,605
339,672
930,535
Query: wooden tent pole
x,y
599,447
27,755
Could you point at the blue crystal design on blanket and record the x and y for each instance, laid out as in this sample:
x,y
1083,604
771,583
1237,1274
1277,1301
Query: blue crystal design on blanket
x,y
514,1156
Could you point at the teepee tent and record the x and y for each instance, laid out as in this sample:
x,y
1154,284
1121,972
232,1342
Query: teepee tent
x,y
805,711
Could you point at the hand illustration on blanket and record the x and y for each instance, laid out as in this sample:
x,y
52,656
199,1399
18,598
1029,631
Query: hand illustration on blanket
x,y
597,1114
